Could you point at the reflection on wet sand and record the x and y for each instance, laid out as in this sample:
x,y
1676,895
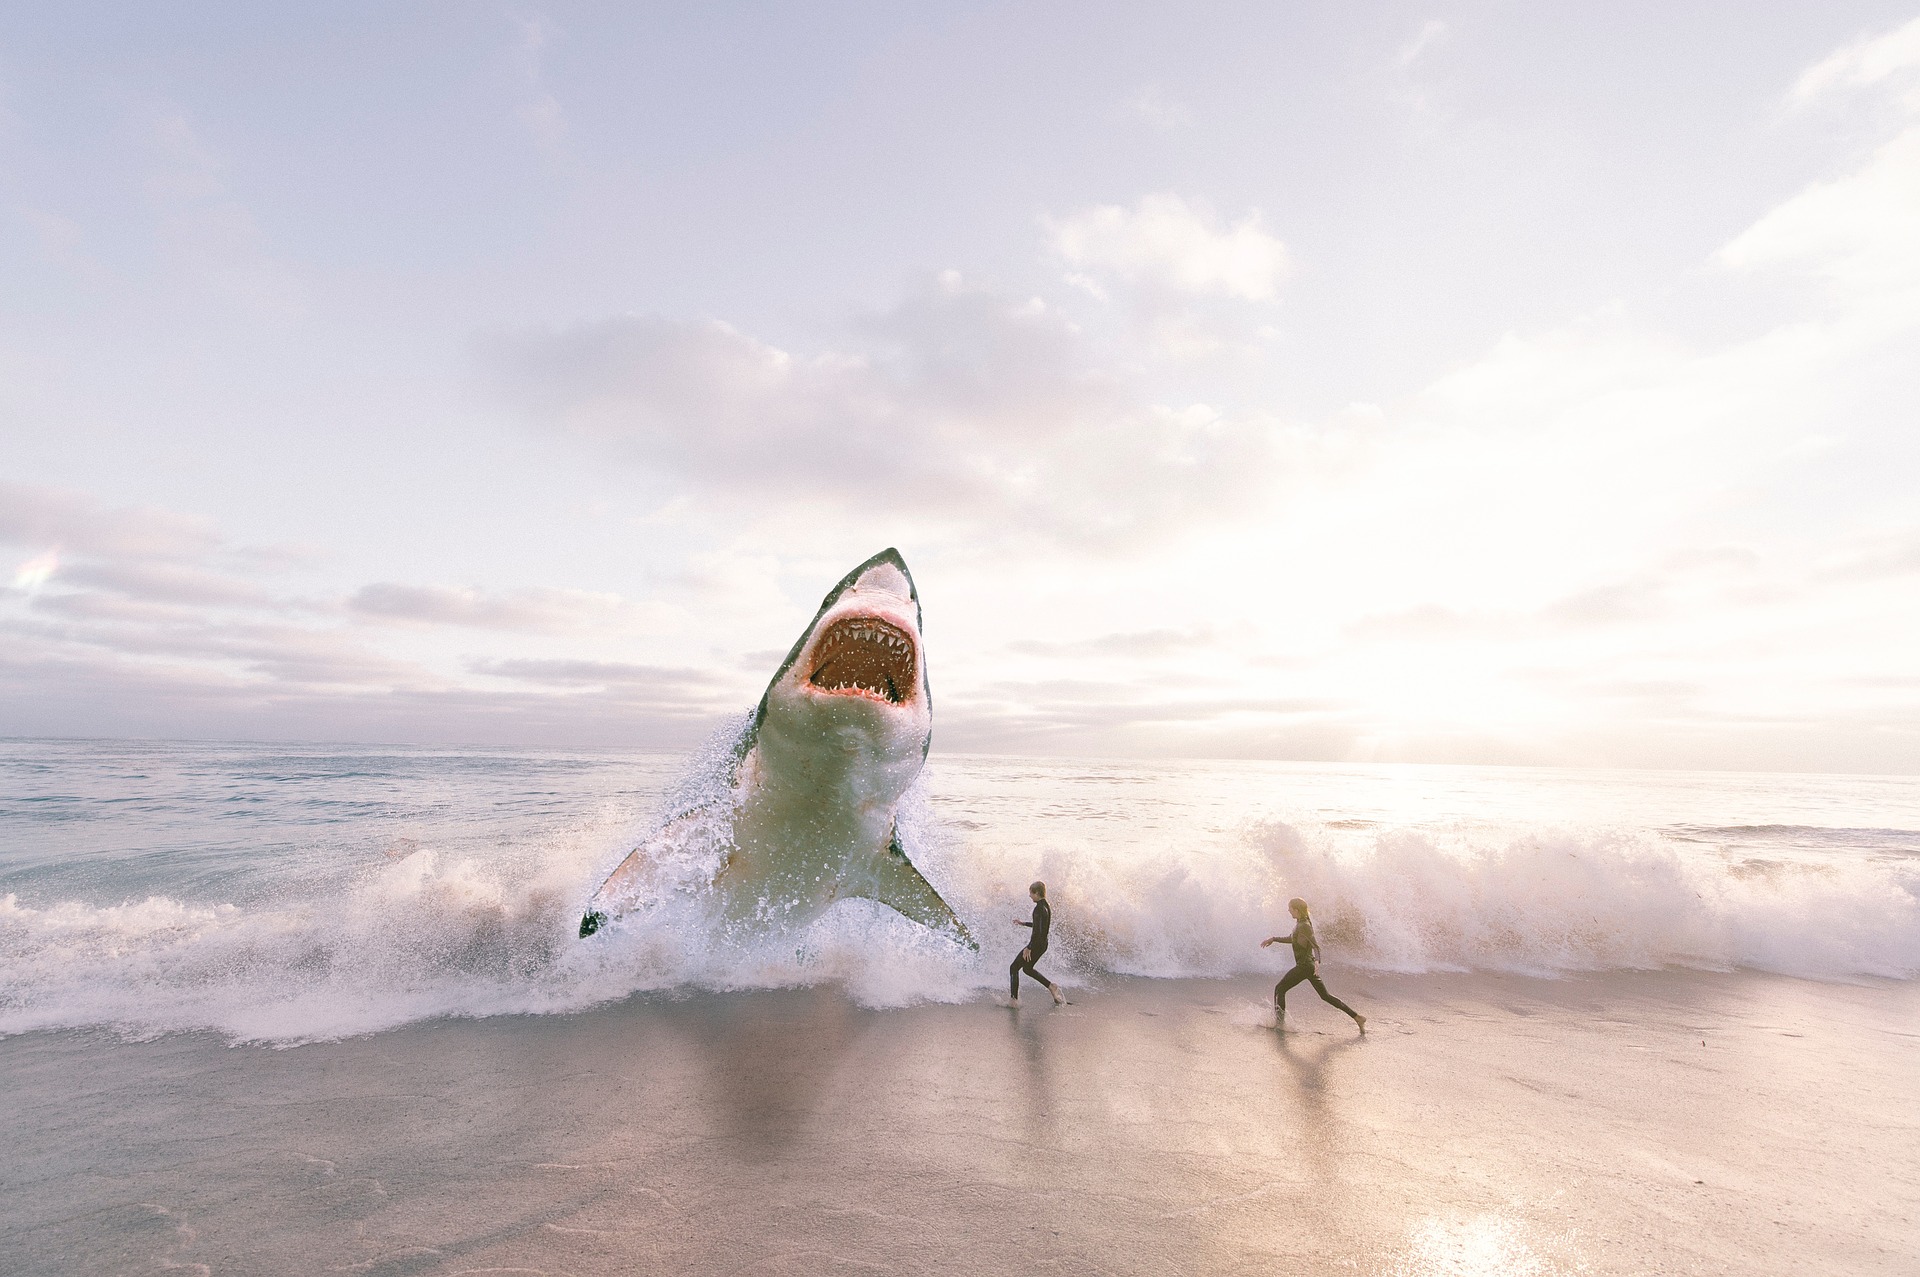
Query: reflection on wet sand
x,y
1490,1125
1323,1118
768,1062
1332,1139
1030,1030
1477,1246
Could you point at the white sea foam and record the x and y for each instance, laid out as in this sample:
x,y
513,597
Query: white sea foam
x,y
448,927
1544,901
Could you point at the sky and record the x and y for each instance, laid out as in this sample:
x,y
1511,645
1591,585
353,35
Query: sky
x,y
1487,383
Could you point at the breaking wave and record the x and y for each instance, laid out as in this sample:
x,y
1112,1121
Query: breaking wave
x,y
1545,902
450,930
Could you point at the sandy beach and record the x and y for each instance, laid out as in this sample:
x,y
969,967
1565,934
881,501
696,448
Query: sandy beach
x,y
1626,1123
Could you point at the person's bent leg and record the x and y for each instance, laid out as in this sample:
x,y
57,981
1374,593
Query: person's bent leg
x,y
1320,988
1033,969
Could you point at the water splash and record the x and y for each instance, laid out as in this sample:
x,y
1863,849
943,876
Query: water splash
x,y
450,908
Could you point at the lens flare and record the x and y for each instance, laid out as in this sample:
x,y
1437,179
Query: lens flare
x,y
37,571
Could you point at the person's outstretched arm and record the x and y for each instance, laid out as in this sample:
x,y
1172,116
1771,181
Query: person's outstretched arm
x,y
1286,939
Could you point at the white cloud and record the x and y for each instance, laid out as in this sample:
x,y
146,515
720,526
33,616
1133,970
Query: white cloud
x,y
960,409
1856,232
1868,61
1162,112
539,610
35,515
539,111
164,582
658,679
1431,33
1164,243
63,243
208,232
146,620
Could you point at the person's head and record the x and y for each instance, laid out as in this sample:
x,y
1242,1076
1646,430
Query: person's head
x,y
1298,908
1038,891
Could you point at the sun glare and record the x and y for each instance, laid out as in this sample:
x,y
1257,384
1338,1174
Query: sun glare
x,y
36,572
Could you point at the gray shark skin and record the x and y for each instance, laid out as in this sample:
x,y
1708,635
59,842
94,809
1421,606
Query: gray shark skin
x,y
840,734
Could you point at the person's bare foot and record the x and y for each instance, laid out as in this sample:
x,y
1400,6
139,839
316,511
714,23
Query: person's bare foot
x,y
1361,1020
1059,998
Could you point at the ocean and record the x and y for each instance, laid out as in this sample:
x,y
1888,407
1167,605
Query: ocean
x,y
323,1008
295,893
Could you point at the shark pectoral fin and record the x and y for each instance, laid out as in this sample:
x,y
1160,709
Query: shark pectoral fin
x,y
621,886
899,886
643,876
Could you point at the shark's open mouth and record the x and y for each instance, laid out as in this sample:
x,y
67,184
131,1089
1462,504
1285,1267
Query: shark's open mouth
x,y
864,654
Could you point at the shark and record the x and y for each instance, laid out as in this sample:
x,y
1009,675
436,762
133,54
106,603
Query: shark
x,y
812,810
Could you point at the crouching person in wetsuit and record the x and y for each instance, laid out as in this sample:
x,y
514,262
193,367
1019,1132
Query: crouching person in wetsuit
x,y
1306,954
1027,959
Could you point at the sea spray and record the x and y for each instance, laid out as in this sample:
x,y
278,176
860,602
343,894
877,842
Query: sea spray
x,y
1556,900
458,892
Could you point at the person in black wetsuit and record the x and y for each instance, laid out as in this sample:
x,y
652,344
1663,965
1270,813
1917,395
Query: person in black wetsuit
x,y
1027,959
1306,953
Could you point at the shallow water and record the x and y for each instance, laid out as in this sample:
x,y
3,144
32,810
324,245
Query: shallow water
x,y
1485,1126
293,893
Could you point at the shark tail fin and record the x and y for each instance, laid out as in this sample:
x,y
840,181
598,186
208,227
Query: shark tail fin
x,y
900,887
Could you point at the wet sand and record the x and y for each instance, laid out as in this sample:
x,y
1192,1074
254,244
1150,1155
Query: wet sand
x,y
1630,1123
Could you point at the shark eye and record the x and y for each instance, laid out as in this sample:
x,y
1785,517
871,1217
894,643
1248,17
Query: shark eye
x,y
884,578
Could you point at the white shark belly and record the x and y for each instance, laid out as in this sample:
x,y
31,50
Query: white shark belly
x,y
796,859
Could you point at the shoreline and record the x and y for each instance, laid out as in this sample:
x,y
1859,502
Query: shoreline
x,y
1627,1122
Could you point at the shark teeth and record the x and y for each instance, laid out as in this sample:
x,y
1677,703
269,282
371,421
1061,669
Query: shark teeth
x,y
864,655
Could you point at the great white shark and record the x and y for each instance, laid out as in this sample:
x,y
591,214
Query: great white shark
x,y
816,781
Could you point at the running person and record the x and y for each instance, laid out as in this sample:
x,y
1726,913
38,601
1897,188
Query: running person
x,y
1027,959
1306,953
